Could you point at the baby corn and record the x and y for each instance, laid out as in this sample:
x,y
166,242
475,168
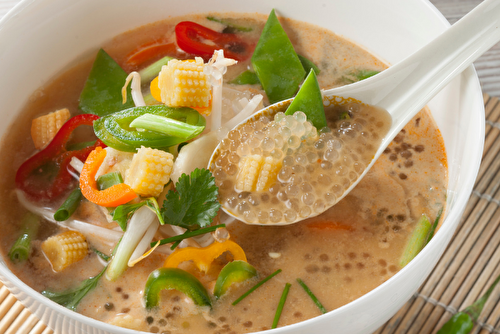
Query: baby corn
x,y
64,249
183,84
257,173
44,128
149,171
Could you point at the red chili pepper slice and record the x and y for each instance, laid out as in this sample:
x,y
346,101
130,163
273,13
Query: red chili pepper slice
x,y
57,153
191,38
152,51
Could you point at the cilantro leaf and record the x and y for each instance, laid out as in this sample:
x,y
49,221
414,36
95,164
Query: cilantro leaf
x,y
194,203
72,297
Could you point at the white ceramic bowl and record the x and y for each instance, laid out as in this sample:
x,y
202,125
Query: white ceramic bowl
x,y
41,38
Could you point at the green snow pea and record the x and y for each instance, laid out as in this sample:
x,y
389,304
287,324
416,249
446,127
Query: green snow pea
x,y
310,102
276,63
174,279
233,272
102,93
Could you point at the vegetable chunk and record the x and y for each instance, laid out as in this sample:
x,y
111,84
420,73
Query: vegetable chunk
x,y
65,249
44,128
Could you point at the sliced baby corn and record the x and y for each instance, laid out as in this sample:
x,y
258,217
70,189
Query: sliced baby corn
x,y
44,128
64,249
183,84
268,173
149,171
249,168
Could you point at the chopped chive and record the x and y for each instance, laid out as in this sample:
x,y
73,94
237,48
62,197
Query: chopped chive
x,y
149,73
108,180
416,241
69,206
166,126
188,235
313,297
280,305
101,254
175,244
20,251
252,289
434,226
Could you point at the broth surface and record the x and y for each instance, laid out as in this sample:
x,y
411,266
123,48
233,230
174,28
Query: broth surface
x,y
341,254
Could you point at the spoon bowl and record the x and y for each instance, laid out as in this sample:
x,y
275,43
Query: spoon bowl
x,y
402,90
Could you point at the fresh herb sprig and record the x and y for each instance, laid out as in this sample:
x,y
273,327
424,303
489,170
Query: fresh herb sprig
x,y
252,289
124,212
72,297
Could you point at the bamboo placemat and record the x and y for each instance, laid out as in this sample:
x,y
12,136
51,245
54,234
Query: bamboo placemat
x,y
468,267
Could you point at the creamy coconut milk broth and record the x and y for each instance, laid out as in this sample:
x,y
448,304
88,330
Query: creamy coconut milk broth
x,y
341,254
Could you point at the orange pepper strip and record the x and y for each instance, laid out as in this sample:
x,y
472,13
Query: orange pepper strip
x,y
203,257
326,225
116,195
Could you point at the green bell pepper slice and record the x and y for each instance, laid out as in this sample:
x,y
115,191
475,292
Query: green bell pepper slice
x,y
174,279
116,131
102,93
310,102
276,63
233,272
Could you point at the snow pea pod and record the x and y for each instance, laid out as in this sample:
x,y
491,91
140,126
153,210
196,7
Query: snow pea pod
x,y
276,63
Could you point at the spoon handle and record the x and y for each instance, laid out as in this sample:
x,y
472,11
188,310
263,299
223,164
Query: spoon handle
x,y
406,87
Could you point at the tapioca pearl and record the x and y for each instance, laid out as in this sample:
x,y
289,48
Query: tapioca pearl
x,y
319,206
319,144
231,169
346,160
232,201
299,130
311,156
324,179
350,133
233,135
275,201
326,165
357,126
285,173
331,155
263,216
337,189
306,187
289,121
279,116
330,197
308,198
267,144
353,176
345,125
253,199
364,134
233,157
226,185
253,142
259,135
346,183
250,216
264,120
284,132
225,144
282,196
221,162
300,116
242,206
290,215
219,174
256,151
292,190
293,142
243,150
334,143
275,215
310,168
274,188
277,154
234,145
341,170
258,125
298,169
243,194
289,151
289,161
305,211
325,129
309,130
296,179
279,142
326,136
301,159
293,204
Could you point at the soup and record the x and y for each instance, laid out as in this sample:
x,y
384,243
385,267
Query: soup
x,y
341,254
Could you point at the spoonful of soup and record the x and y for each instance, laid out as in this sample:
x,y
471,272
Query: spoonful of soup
x,y
296,158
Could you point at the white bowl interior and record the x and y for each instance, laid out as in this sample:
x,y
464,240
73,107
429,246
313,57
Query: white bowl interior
x,y
42,38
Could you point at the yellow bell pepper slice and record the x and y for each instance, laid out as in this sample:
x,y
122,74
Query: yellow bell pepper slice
x,y
203,257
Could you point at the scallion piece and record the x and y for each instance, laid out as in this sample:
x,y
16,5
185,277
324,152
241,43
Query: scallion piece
x,y
416,241
151,72
101,254
108,180
252,289
175,244
434,226
280,305
188,235
165,125
20,251
313,297
69,206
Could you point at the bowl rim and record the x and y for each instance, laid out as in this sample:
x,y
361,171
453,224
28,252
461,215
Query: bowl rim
x,y
460,201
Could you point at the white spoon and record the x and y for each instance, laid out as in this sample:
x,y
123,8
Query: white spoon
x,y
406,87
